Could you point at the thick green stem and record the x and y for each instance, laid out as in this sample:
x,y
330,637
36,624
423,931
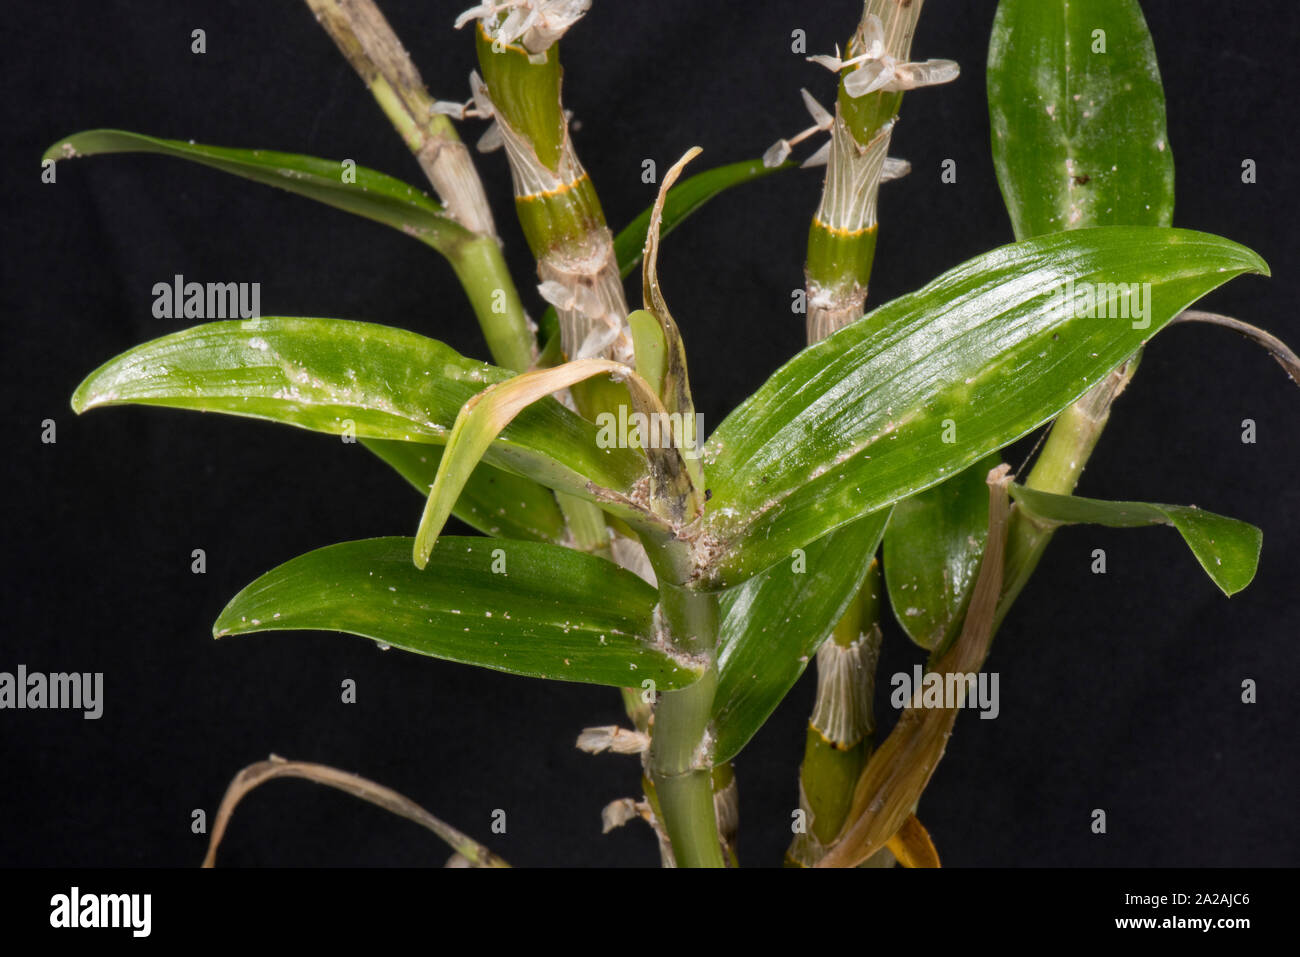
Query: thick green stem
x,y
680,765
681,776
561,217
686,802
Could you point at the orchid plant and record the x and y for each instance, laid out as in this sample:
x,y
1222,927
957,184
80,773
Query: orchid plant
x,y
616,546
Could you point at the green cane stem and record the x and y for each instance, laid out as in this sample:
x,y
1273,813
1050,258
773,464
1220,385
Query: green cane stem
x,y
562,220
841,251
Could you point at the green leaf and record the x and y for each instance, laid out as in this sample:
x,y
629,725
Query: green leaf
x,y
323,374
856,422
1079,140
933,547
650,348
486,414
494,501
1079,136
521,607
371,194
683,199
1227,549
774,623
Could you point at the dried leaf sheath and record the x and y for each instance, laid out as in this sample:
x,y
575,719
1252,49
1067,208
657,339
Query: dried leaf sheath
x,y
370,45
841,728
674,385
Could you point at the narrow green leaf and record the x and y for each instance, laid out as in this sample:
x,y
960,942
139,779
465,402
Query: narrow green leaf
x,y
683,199
494,501
354,189
933,547
525,608
1078,116
857,421
773,624
341,377
1227,549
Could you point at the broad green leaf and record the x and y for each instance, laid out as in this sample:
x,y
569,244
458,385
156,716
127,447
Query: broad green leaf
x,y
1078,116
354,189
856,422
773,624
485,415
933,546
494,501
683,199
521,607
1078,141
1227,549
343,377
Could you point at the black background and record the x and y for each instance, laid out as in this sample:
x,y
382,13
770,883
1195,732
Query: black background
x,y
1119,691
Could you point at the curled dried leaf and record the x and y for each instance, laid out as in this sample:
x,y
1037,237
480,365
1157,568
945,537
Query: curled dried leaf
x,y
1278,349
467,849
